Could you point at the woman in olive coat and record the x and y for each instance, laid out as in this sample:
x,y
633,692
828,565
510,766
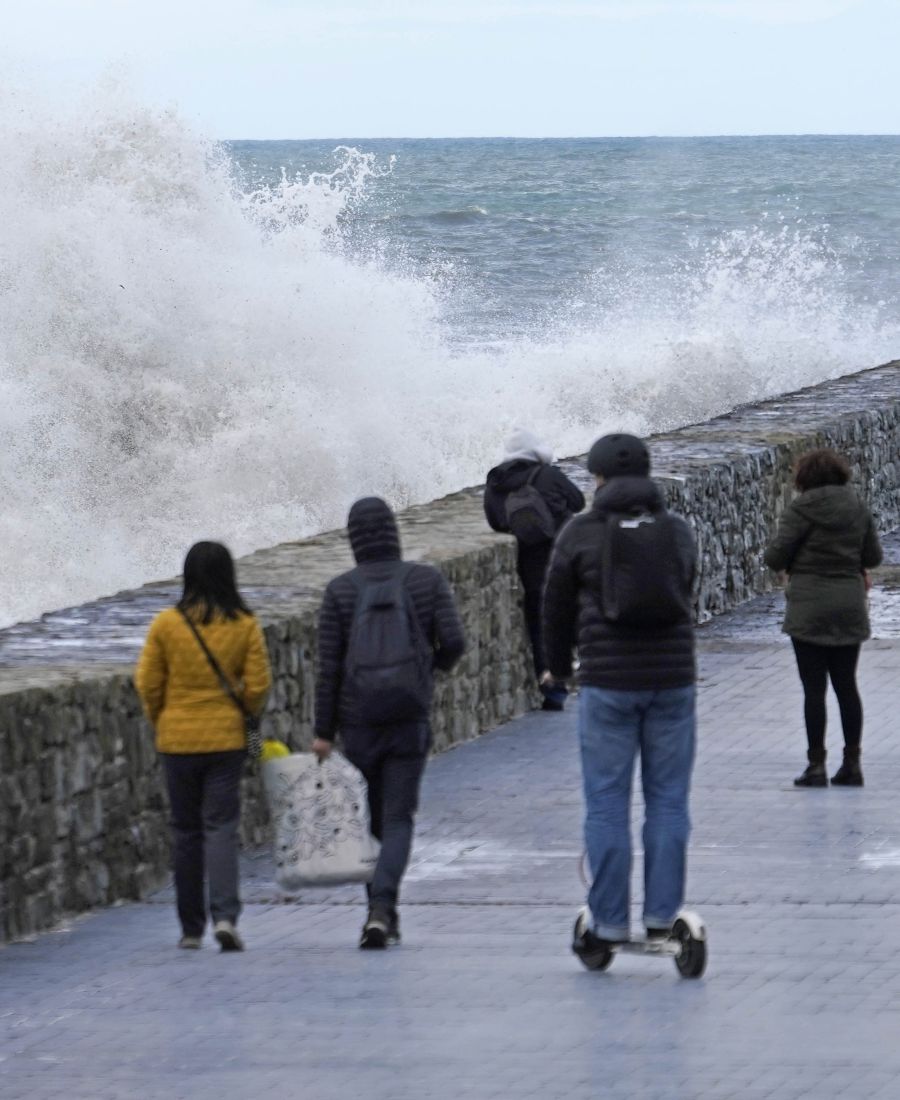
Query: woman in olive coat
x,y
826,541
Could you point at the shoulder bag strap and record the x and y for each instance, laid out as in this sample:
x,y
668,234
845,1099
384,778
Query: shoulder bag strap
x,y
224,682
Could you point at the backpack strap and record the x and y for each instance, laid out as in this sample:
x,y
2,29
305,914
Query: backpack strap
x,y
549,497
359,580
398,579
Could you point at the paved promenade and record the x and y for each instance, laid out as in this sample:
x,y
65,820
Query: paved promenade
x,y
800,891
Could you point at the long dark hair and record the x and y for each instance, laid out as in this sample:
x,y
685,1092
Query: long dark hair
x,y
209,583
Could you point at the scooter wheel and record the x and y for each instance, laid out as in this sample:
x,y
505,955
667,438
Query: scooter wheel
x,y
691,960
592,957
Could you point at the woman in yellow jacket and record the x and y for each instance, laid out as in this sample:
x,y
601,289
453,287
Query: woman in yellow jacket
x,y
200,733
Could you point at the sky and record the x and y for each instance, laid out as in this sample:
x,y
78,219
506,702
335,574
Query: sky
x,y
464,68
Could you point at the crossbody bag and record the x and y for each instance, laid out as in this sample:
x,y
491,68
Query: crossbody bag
x,y
251,721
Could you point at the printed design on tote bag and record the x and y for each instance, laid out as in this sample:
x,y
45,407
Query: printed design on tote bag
x,y
317,811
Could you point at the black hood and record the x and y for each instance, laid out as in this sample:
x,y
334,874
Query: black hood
x,y
373,531
629,495
510,475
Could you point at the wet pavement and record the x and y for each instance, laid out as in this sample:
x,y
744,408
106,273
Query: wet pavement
x,y
800,891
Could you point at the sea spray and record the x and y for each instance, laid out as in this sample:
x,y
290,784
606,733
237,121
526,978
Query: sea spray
x,y
183,356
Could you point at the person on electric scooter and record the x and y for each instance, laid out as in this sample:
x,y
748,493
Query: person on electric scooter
x,y
619,590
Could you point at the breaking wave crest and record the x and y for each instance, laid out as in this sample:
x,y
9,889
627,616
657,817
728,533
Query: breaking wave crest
x,y
183,358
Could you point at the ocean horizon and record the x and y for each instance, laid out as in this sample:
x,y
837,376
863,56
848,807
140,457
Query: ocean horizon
x,y
236,339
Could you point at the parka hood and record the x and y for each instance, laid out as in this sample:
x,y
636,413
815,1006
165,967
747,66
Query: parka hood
x,y
831,506
373,531
525,444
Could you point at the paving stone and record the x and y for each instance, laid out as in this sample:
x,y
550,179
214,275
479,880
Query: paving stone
x,y
800,891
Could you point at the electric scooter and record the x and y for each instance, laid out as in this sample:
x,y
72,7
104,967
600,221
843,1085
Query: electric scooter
x,y
685,944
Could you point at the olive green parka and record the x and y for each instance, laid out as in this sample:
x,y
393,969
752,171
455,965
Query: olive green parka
x,y
825,539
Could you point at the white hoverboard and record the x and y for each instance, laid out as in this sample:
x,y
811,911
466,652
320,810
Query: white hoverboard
x,y
686,944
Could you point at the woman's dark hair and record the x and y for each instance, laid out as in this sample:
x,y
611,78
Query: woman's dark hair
x,y
818,468
209,582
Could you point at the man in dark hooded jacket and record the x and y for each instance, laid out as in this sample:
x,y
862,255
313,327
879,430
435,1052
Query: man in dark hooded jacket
x,y
526,457
392,754
636,692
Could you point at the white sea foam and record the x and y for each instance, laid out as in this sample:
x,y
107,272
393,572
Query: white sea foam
x,y
180,359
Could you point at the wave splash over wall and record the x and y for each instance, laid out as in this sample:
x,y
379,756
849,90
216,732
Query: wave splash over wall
x,y
184,359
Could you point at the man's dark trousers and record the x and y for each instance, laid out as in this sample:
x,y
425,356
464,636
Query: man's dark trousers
x,y
392,759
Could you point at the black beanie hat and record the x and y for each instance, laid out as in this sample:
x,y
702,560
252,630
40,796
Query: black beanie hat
x,y
619,456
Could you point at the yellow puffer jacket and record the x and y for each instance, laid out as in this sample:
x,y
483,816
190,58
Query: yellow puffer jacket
x,y
181,694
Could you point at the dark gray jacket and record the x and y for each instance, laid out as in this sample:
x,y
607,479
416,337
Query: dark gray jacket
x,y
376,547
825,539
610,656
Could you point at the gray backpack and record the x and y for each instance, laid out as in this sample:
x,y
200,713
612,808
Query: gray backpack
x,y
528,514
387,667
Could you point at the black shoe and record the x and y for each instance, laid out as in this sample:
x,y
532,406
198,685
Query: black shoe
x,y
814,776
393,936
848,774
376,930
594,952
555,694
227,935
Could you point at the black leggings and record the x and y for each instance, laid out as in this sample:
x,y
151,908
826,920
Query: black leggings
x,y
816,663
532,566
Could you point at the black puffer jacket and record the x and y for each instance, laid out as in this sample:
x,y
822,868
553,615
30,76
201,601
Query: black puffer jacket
x,y
615,657
376,547
563,496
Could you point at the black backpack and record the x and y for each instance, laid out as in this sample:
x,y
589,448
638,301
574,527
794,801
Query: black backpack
x,y
528,514
387,667
643,581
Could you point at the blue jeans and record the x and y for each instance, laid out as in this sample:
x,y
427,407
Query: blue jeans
x,y
613,726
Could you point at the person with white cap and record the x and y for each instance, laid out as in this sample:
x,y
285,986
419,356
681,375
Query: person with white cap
x,y
530,498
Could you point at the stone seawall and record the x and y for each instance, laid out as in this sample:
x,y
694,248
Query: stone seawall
x,y
82,811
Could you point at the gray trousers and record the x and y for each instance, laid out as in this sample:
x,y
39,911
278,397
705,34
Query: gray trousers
x,y
205,796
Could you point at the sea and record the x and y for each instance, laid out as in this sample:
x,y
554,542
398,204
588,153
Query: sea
x,y
234,340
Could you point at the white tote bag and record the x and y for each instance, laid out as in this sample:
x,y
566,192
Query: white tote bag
x,y
320,813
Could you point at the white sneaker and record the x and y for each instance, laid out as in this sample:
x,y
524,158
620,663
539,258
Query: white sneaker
x,y
227,935
191,943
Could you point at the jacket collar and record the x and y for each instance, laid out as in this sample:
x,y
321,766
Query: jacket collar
x,y
630,495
